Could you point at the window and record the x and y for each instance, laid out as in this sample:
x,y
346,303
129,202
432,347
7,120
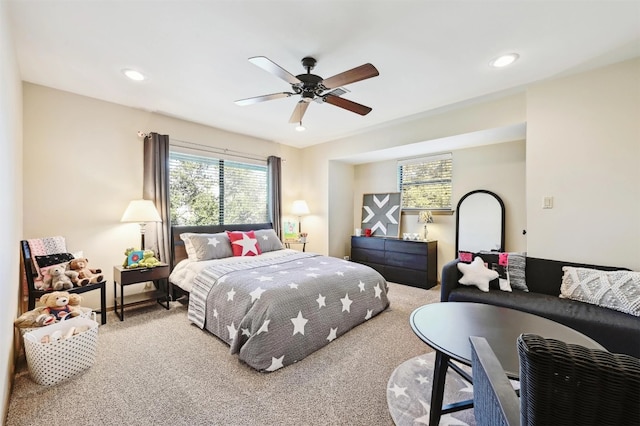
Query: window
x,y
212,191
425,183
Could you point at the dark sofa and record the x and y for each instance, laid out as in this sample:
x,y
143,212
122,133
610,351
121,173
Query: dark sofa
x,y
617,331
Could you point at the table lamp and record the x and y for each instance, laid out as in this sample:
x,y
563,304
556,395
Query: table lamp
x,y
425,217
141,211
299,208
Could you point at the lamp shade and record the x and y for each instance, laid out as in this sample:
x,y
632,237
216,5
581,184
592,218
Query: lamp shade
x,y
141,211
299,208
425,216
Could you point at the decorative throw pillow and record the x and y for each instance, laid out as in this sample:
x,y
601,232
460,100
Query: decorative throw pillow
x,y
619,290
465,256
268,240
517,264
244,243
53,259
475,273
207,246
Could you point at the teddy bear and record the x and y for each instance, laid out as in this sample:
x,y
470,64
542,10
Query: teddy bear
x,y
57,307
58,278
40,314
86,275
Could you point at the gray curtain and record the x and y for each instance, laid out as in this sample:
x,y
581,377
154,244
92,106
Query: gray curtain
x,y
274,165
155,187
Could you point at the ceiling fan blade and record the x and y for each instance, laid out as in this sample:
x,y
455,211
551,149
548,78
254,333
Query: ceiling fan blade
x,y
347,104
356,74
275,69
256,99
298,113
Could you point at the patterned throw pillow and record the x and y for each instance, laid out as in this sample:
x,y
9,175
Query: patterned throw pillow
x,y
207,246
244,243
268,240
53,259
619,290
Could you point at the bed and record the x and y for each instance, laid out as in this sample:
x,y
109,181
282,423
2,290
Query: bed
x,y
275,308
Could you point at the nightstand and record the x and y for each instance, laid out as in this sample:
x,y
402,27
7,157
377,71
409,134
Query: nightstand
x,y
123,277
287,243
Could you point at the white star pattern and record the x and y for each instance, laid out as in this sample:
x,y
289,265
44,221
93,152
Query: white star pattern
x,y
265,238
230,294
264,328
369,314
321,301
232,331
215,313
248,244
346,303
213,241
255,294
378,291
424,419
423,380
340,273
298,324
222,279
361,286
262,278
398,391
423,361
313,269
313,275
283,272
293,285
246,332
332,334
275,363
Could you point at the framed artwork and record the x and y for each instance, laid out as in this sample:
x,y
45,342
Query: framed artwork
x,y
381,214
290,230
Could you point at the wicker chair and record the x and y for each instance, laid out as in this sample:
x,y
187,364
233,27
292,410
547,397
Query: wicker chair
x,y
560,384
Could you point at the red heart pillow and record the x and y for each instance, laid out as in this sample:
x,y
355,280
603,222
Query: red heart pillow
x,y
244,243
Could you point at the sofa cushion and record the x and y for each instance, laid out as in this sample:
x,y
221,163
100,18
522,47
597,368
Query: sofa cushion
x,y
475,273
616,331
619,290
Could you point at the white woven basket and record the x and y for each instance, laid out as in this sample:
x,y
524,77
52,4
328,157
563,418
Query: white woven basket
x,y
51,363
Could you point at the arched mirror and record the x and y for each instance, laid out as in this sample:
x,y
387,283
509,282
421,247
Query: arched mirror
x,y
480,222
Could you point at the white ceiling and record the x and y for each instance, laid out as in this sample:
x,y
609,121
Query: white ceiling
x,y
430,54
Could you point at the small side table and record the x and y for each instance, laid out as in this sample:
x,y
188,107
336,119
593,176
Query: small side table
x,y
287,243
123,277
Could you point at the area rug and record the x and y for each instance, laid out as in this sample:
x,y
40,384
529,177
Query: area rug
x,y
409,393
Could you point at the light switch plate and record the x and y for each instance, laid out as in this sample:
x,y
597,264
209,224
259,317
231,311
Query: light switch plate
x,y
547,203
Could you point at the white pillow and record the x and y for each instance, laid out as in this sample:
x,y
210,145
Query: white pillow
x,y
475,273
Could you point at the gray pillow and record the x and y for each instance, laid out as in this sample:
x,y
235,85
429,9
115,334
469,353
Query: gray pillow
x,y
517,263
268,240
207,246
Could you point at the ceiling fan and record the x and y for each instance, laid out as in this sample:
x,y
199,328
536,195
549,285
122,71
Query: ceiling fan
x,y
312,87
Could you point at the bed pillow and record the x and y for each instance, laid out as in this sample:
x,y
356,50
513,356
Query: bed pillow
x,y
268,240
619,290
206,246
475,273
244,243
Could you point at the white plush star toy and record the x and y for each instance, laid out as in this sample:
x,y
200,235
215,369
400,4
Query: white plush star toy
x,y
475,273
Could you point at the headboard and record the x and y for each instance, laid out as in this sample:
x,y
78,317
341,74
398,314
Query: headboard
x,y
178,251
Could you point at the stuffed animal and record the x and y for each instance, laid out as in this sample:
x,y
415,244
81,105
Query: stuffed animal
x,y
37,316
57,308
149,260
127,252
86,275
57,278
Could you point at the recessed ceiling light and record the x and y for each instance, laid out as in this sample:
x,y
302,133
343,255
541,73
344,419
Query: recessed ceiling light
x,y
133,74
504,60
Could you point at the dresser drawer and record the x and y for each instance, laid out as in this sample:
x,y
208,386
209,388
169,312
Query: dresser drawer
x,y
406,260
402,246
366,255
368,242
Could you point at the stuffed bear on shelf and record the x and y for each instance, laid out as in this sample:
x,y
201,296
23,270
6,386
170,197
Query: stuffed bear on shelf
x,y
86,275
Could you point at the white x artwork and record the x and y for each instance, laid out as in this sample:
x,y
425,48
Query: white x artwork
x,y
381,213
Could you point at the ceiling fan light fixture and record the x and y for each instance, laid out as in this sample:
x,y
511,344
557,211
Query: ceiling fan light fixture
x,y
504,60
300,127
133,74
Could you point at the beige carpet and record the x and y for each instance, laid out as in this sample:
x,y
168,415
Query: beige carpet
x,y
157,368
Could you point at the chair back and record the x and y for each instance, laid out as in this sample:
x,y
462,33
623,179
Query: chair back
x,y
566,384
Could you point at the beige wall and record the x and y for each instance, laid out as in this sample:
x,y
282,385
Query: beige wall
x,y
83,164
335,229
583,149
10,201
499,168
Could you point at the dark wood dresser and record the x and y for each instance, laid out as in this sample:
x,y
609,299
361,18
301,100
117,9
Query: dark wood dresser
x,y
414,263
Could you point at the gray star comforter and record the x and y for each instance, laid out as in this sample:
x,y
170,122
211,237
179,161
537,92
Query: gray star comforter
x,y
276,311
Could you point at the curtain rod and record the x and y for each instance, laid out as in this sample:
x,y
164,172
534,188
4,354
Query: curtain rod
x,y
213,149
